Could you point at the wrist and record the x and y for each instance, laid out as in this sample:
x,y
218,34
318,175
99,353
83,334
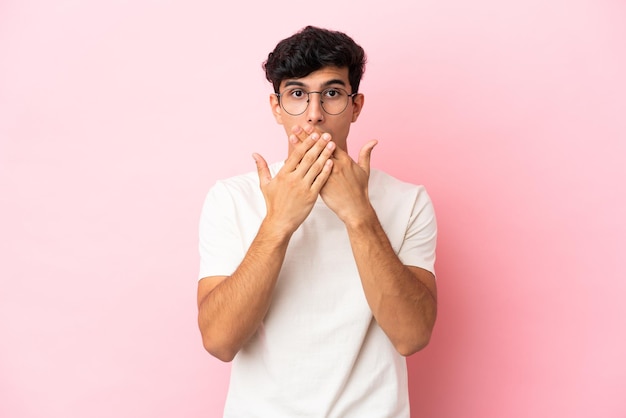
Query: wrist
x,y
278,232
363,219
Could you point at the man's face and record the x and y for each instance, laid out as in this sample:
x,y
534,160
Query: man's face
x,y
314,115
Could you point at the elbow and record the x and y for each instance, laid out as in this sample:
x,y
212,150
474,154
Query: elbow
x,y
418,336
217,343
416,339
223,355
222,352
410,347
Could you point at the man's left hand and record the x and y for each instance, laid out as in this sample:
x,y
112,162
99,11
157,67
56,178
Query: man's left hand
x,y
346,190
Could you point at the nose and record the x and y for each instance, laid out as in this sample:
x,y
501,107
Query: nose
x,y
315,113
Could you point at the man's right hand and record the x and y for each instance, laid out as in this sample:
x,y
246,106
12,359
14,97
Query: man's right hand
x,y
291,194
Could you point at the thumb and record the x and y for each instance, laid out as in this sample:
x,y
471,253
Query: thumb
x,y
262,169
365,155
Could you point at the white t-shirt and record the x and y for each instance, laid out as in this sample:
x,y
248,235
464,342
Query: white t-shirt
x,y
319,352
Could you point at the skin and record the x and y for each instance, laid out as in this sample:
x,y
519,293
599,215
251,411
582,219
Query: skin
x,y
403,299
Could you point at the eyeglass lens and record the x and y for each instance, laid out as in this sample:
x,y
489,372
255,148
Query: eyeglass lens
x,y
296,100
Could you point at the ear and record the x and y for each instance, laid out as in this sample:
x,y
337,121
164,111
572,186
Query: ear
x,y
276,109
357,105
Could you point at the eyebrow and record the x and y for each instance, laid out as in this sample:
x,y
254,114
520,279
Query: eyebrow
x,y
326,83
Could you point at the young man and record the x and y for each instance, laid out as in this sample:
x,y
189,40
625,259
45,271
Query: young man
x,y
317,272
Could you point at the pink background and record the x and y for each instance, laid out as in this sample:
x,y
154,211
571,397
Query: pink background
x,y
116,117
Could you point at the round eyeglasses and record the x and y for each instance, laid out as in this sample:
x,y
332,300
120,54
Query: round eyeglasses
x,y
334,100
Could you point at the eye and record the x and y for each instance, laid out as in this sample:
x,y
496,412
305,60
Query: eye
x,y
333,93
296,94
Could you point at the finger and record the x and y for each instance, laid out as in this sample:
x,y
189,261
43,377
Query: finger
x,y
299,150
301,133
305,154
323,176
365,155
298,133
318,164
262,169
321,149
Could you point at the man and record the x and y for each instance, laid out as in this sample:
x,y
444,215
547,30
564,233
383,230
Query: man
x,y
317,272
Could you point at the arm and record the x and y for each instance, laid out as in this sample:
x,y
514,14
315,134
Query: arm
x,y
231,308
402,298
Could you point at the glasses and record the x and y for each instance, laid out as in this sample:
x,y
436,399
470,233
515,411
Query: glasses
x,y
295,101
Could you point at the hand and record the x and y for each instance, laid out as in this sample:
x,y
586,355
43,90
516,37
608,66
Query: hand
x,y
346,190
291,194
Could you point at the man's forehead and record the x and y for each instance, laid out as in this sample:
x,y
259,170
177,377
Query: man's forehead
x,y
323,77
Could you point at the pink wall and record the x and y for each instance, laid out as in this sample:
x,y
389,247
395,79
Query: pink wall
x,y
115,119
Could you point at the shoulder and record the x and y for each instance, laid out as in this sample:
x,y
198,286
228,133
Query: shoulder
x,y
394,198
385,186
238,194
242,184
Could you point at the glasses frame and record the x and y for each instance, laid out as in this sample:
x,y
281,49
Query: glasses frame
x,y
308,100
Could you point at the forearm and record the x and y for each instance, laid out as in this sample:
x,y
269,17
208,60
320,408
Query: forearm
x,y
402,299
232,311
232,308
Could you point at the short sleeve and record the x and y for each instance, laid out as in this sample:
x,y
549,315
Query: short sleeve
x,y
420,241
219,240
